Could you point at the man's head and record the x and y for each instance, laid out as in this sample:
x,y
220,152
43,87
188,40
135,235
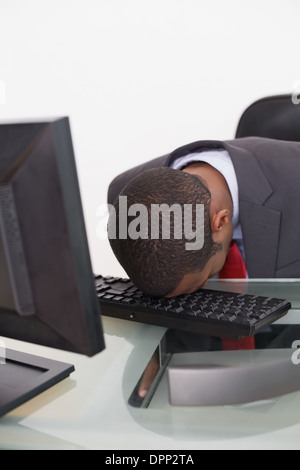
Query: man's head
x,y
154,230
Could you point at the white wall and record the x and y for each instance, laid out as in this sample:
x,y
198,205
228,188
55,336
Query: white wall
x,y
139,78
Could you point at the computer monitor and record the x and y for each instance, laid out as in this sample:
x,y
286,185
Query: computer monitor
x,y
47,287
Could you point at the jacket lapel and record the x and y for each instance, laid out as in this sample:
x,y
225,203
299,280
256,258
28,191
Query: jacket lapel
x,y
260,224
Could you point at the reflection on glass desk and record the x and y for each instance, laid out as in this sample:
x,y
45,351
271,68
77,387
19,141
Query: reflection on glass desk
x,y
284,288
179,347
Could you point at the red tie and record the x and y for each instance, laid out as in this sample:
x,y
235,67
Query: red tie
x,y
234,268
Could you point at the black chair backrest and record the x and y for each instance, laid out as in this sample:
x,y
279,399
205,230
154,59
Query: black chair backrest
x,y
276,117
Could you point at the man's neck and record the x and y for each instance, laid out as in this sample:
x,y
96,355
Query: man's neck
x,y
215,182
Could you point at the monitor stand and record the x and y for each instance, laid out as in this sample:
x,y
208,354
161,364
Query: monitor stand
x,y
23,376
181,359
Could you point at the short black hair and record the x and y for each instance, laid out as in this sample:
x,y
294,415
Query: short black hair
x,y
156,266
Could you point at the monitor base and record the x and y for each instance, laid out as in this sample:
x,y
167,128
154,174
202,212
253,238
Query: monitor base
x,y
23,376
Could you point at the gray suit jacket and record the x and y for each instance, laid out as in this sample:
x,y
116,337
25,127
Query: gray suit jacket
x,y
268,175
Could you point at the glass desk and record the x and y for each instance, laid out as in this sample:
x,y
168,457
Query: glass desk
x,y
273,342
247,425
96,409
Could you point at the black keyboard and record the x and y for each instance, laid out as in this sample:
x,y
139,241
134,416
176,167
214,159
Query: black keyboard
x,y
209,312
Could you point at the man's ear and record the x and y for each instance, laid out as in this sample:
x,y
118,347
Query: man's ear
x,y
219,220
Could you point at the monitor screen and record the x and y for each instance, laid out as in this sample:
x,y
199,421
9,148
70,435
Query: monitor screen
x,y
47,287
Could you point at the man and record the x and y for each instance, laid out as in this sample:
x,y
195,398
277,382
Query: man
x,y
250,191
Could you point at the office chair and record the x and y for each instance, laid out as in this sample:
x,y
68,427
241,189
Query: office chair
x,y
275,117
